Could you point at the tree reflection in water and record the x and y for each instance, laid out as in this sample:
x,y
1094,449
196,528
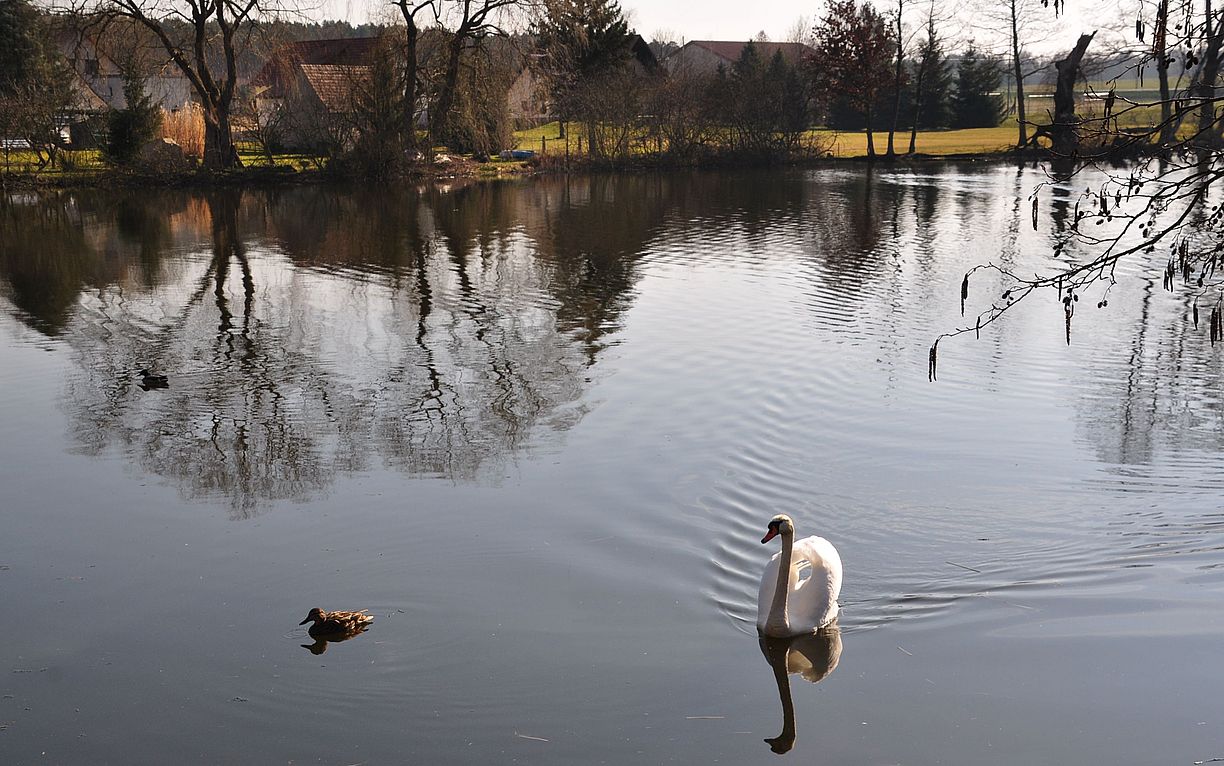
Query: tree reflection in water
x,y
309,332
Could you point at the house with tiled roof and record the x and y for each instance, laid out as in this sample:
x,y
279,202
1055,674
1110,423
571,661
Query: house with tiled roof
x,y
280,75
306,84
706,56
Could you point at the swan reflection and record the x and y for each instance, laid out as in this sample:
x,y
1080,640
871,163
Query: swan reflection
x,y
812,657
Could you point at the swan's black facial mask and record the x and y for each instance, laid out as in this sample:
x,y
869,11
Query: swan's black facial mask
x,y
771,534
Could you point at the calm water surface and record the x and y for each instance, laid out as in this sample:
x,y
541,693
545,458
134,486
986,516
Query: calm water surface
x,y
538,429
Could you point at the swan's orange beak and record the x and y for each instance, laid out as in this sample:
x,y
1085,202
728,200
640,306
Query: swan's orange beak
x,y
771,534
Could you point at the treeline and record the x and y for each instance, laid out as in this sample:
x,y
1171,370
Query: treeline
x,y
853,76
953,93
441,77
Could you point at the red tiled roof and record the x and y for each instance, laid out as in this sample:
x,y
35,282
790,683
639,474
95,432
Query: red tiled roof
x,y
333,84
348,51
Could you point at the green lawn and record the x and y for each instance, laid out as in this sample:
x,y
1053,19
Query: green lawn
x,y
23,161
89,162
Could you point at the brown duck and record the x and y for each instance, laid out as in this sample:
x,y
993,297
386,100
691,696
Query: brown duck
x,y
336,624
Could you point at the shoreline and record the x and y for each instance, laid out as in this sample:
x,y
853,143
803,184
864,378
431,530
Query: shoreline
x,y
469,170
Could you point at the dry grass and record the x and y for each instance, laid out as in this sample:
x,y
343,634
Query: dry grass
x,y
186,128
842,144
937,142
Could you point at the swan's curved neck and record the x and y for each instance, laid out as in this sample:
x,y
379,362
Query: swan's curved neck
x,y
777,609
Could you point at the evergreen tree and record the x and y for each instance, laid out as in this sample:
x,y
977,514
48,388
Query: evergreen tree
x,y
977,103
793,114
133,126
764,103
583,41
935,93
21,45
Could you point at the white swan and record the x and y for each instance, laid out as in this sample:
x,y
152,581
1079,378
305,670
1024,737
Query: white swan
x,y
788,605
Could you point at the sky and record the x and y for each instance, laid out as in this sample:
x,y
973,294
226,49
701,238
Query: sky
x,y
728,19
737,20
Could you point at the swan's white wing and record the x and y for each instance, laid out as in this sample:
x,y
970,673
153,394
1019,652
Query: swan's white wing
x,y
812,602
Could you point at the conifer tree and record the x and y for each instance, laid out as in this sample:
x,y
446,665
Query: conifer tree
x,y
977,103
133,126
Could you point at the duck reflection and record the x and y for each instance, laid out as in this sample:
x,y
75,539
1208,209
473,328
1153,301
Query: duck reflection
x,y
320,642
810,657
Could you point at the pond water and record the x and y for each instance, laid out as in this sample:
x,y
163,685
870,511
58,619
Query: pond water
x,y
538,429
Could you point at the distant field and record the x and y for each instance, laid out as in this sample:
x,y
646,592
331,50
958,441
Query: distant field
x,y
937,142
842,144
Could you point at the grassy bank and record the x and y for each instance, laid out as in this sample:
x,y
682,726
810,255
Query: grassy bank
x,y
88,167
842,145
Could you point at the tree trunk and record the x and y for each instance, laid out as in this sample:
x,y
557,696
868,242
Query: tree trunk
x,y
1160,49
1018,74
440,119
219,152
896,115
1064,135
1207,77
913,142
870,142
410,80
923,65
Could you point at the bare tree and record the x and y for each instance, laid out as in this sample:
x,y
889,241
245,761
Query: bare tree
x,y
1064,135
413,83
1162,210
1019,23
467,23
1208,73
685,111
35,83
216,32
899,41
1160,54
800,31
929,59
